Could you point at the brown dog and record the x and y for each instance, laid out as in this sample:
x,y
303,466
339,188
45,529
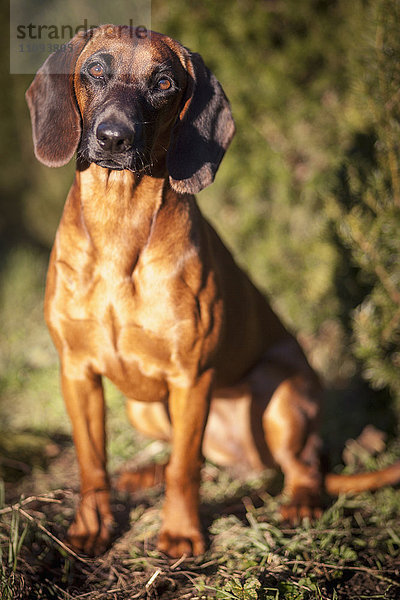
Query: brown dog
x,y
141,289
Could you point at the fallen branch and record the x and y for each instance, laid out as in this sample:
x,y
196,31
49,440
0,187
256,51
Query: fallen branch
x,y
53,537
26,501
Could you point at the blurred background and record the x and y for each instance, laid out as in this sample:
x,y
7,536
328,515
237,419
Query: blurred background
x,y
307,197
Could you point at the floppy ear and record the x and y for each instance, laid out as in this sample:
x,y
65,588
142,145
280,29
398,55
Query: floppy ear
x,y
202,132
56,123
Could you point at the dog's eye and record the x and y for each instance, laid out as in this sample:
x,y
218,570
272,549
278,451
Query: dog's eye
x,y
163,84
96,70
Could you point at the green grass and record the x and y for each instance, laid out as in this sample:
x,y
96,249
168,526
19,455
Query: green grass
x,y
353,551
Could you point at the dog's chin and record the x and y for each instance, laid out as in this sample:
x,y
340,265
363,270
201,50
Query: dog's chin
x,y
133,165
110,164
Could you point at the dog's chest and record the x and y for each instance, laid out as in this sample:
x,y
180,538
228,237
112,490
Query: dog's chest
x,y
126,325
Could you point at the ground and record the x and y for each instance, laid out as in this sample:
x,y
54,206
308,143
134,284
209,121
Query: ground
x,y
353,551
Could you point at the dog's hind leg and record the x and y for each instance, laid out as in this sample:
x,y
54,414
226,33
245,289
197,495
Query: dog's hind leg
x,y
290,426
152,420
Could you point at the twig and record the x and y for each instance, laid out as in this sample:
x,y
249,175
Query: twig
x,y
111,591
178,562
208,564
65,594
53,537
153,578
18,505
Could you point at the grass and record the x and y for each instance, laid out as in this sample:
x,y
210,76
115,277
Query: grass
x,y
353,551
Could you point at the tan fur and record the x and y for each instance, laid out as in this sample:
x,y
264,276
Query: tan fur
x,y
141,289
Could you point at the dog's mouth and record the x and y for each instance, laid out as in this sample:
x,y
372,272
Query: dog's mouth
x,y
110,164
135,161
136,157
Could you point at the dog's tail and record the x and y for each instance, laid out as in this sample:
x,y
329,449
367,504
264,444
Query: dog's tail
x,y
361,482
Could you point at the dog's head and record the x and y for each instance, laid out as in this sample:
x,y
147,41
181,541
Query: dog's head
x,y
129,100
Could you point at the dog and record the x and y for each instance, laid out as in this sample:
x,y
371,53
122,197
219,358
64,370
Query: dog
x,y
141,289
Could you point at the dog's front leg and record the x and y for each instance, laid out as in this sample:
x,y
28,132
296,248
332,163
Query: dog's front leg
x,y
181,530
92,527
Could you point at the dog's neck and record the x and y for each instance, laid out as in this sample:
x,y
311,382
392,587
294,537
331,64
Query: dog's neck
x,y
116,210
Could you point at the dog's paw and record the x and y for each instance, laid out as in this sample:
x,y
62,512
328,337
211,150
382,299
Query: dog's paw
x,y
176,545
294,514
303,503
88,542
92,529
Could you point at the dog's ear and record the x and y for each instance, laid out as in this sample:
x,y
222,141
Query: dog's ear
x,y
202,131
56,122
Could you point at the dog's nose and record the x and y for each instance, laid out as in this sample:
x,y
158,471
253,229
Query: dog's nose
x,y
115,137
